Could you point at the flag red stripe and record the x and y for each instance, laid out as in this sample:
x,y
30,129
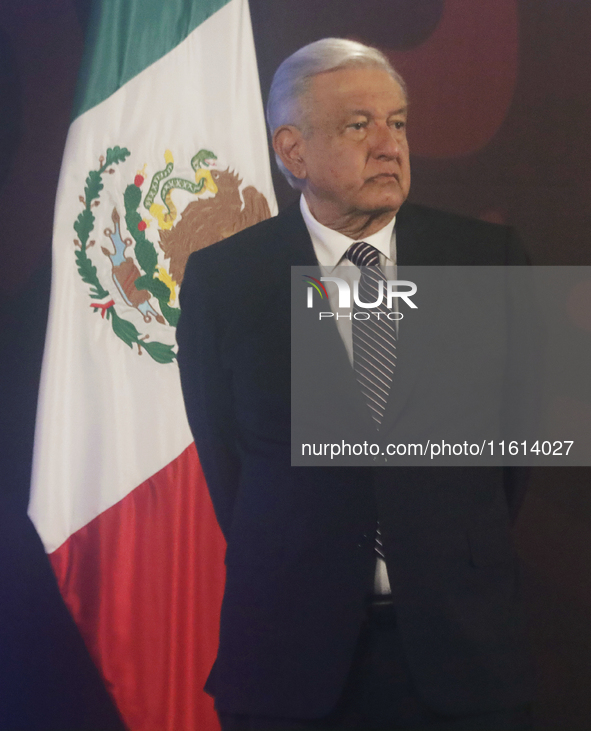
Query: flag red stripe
x,y
144,582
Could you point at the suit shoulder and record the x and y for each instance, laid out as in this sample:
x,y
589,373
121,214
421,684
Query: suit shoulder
x,y
454,221
255,254
243,264
247,245
461,239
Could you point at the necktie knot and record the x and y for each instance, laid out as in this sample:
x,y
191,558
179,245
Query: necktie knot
x,y
363,254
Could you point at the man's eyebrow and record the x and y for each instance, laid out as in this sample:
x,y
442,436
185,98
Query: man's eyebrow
x,y
367,113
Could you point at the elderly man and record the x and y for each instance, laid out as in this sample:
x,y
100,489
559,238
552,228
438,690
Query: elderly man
x,y
317,629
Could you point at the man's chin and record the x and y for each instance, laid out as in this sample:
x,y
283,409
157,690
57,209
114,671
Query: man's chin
x,y
382,198
383,205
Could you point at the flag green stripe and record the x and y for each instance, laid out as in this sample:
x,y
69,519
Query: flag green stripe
x,y
126,36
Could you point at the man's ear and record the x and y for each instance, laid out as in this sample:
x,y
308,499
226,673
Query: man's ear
x,y
288,143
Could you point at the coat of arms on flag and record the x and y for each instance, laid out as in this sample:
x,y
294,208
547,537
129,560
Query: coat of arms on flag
x,y
145,232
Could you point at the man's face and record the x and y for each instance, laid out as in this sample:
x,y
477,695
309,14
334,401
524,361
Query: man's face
x,y
355,153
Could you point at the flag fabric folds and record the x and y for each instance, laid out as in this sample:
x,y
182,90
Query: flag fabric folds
x,y
166,153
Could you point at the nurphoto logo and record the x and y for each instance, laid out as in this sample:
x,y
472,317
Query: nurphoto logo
x,y
385,304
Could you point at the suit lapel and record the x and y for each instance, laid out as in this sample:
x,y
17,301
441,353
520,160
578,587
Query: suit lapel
x,y
415,244
414,247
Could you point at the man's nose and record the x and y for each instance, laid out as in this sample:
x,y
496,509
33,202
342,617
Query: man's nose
x,y
386,141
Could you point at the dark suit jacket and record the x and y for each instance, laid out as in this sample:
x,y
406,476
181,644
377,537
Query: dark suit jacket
x,y
300,558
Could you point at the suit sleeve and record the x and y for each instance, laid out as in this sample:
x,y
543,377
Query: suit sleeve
x,y
206,382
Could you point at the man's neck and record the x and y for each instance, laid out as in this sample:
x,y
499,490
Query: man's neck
x,y
356,225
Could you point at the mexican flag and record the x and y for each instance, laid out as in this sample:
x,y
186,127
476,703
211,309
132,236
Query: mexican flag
x,y
166,154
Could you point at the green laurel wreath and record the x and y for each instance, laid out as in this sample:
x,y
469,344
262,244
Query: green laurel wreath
x,y
144,251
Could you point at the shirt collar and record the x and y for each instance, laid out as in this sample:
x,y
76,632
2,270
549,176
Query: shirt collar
x,y
330,246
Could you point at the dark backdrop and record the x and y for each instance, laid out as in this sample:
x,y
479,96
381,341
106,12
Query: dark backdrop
x,y
500,128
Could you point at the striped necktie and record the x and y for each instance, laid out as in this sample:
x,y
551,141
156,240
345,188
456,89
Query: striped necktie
x,y
374,335
374,341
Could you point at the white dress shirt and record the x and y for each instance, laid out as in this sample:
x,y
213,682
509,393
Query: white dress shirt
x,y
330,247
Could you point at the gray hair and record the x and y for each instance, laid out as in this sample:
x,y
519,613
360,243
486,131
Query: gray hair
x,y
293,78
